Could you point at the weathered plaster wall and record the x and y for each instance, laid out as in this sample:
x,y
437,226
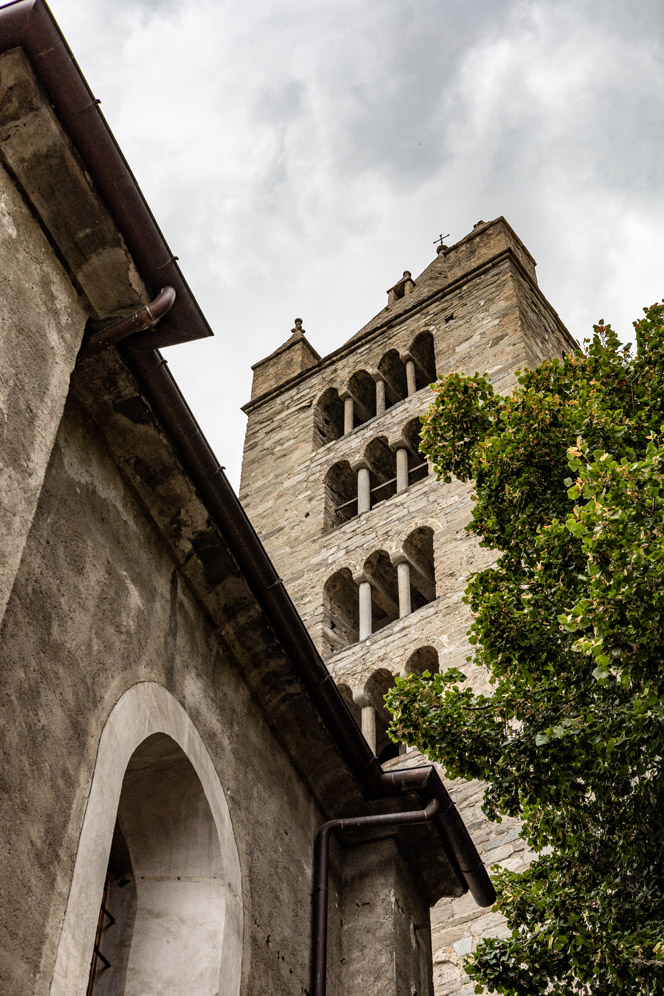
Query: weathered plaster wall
x,y
41,326
112,612
381,902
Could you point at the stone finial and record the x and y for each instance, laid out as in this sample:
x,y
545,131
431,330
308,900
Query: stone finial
x,y
298,330
402,287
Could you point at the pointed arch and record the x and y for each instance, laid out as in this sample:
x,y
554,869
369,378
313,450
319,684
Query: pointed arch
x,y
148,719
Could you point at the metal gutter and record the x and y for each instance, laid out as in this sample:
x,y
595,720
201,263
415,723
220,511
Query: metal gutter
x,y
29,25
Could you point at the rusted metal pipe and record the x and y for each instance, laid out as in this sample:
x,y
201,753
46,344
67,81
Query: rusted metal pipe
x,y
142,319
321,876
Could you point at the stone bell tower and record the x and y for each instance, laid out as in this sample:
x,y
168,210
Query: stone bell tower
x,y
371,547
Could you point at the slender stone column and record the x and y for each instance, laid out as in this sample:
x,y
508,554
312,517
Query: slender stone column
x,y
403,583
402,469
368,721
349,412
363,489
410,377
380,396
366,620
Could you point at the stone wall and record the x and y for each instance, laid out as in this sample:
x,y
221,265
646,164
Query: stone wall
x,y
480,302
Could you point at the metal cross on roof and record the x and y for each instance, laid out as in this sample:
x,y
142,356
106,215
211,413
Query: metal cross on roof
x,y
441,239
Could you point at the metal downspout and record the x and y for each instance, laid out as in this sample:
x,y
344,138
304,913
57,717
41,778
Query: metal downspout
x,y
144,318
321,876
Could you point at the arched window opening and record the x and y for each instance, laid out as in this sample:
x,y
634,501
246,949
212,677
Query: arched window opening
x,y
342,612
384,590
382,470
362,388
328,418
418,549
340,495
423,354
351,703
393,371
163,905
376,688
418,467
424,659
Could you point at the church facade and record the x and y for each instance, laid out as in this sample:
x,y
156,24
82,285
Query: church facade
x,y
189,805
371,547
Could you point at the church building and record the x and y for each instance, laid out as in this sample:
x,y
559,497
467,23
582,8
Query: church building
x,y
373,549
191,804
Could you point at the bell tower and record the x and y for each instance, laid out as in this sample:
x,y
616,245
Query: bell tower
x,y
373,549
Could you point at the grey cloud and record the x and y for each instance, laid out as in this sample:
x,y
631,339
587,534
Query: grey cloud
x,y
308,151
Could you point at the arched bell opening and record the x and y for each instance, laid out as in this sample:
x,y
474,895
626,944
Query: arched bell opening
x,y
362,389
341,611
424,356
375,690
384,590
340,495
418,466
418,548
162,911
328,418
422,661
351,703
393,371
381,461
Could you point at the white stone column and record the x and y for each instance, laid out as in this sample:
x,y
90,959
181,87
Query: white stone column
x,y
363,489
410,377
349,412
403,584
402,469
368,722
366,620
380,396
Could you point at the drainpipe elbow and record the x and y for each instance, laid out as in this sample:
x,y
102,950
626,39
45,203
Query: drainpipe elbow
x,y
142,319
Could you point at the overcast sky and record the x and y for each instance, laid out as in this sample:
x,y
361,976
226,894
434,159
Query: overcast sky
x,y
300,154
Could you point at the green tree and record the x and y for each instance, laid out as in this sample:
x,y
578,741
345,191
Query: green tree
x,y
568,476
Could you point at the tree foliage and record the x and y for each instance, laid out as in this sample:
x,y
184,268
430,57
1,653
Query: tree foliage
x,y
569,624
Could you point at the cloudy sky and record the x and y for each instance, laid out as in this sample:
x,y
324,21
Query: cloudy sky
x,y
300,154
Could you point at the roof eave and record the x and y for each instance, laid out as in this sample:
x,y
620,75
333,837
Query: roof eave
x,y
30,26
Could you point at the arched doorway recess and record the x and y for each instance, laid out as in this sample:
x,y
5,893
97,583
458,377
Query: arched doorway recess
x,y
157,808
